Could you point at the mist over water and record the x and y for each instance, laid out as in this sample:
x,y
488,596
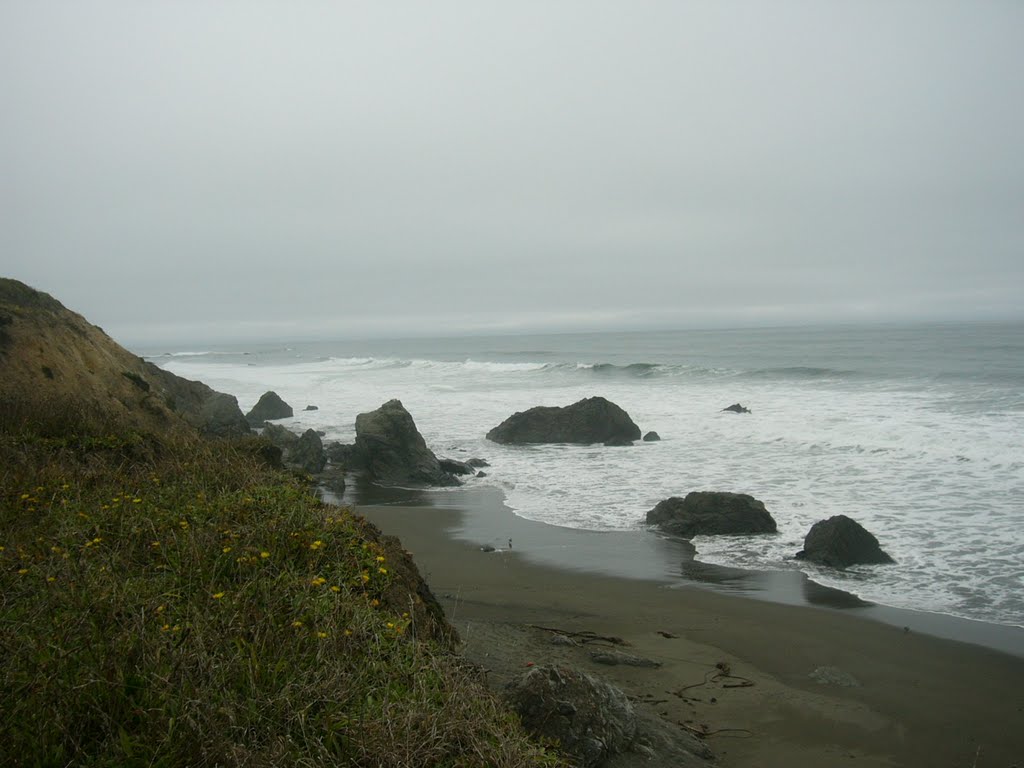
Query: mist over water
x,y
916,432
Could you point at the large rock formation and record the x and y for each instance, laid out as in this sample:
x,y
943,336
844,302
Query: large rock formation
x,y
391,450
592,420
704,513
269,407
841,541
66,375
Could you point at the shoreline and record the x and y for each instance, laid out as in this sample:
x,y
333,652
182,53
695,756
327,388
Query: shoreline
x,y
485,519
886,696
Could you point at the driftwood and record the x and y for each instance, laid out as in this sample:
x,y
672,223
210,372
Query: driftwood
x,y
720,674
703,732
586,636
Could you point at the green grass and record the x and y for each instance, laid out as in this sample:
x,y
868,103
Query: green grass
x,y
185,604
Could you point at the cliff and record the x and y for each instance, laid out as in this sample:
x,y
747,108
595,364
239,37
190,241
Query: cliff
x,y
58,371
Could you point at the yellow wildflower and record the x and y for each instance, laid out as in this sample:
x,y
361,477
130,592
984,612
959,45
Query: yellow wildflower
x,y
382,570
217,595
380,558
51,579
318,581
321,635
264,555
316,544
335,588
154,544
225,550
296,623
22,571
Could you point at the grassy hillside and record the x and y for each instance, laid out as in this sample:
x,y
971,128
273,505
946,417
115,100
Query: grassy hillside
x,y
167,600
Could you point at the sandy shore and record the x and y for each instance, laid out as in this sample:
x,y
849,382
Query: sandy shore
x,y
827,688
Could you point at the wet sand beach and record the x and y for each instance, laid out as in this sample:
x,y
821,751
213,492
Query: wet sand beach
x,y
806,686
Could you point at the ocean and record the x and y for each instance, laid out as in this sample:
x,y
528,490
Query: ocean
x,y
916,432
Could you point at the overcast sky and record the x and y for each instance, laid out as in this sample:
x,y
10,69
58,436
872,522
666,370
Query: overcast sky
x,y
199,170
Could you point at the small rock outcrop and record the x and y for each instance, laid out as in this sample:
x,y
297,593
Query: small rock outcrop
x,y
588,718
592,420
652,437
311,408
280,436
456,467
391,450
477,463
594,723
305,452
269,407
737,408
841,541
706,513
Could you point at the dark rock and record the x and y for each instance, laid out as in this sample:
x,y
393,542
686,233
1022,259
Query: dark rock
x,y
340,454
477,463
307,453
593,420
392,451
455,467
589,719
737,408
280,436
710,513
212,413
311,408
481,473
269,407
652,437
220,416
486,548
841,541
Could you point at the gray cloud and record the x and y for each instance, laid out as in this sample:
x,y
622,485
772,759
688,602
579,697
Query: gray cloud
x,y
287,169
